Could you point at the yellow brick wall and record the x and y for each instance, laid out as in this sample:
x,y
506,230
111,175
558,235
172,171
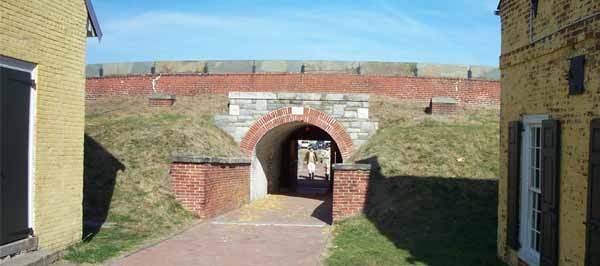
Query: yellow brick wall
x,y
52,34
534,82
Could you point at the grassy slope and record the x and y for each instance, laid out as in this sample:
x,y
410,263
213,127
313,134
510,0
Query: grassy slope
x,y
434,199
141,141
434,202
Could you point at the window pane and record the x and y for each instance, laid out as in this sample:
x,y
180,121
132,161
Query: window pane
x,y
534,214
537,242
537,158
532,177
538,225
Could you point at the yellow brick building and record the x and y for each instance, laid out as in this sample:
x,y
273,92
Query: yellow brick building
x,y
42,58
549,190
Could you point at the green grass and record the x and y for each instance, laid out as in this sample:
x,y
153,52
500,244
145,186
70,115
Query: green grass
x,y
410,142
434,199
109,242
127,157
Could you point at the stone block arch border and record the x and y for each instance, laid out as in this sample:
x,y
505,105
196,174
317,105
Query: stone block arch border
x,y
310,116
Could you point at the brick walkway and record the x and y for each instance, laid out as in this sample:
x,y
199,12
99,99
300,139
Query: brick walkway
x,y
279,230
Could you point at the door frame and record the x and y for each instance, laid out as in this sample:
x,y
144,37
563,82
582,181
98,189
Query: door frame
x,y
525,253
15,64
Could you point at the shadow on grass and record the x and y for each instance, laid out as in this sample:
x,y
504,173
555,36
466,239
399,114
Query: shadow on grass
x,y
433,221
99,176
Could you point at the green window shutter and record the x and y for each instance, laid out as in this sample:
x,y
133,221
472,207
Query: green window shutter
x,y
550,192
593,220
514,176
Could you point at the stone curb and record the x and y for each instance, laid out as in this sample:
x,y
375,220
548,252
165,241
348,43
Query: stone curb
x,y
366,68
349,167
198,159
23,245
298,96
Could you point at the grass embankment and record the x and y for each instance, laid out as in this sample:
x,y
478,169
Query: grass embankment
x,y
127,156
434,200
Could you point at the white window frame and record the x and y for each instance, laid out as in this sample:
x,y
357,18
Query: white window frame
x,y
7,62
526,253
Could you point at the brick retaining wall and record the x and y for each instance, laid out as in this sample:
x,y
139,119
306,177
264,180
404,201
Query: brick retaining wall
x,y
161,101
350,188
419,89
443,108
210,186
442,105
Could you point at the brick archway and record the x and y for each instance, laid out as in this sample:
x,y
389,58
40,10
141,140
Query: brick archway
x,y
284,116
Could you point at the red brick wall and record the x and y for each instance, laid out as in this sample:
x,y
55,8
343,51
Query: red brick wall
x,y
421,89
443,108
349,192
208,189
161,102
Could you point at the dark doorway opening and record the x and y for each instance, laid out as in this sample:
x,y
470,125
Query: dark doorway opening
x,y
314,157
295,177
276,160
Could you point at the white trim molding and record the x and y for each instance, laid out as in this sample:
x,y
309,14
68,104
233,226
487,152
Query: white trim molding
x,y
526,253
31,68
16,64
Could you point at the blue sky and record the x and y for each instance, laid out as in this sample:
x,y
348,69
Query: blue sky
x,y
427,31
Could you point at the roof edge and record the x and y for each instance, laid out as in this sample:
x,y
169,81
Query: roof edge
x,y
93,19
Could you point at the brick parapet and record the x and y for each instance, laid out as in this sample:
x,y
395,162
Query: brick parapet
x,y
153,102
208,188
472,92
443,108
350,189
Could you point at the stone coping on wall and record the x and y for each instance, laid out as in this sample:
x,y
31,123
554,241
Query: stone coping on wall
x,y
304,96
351,167
161,97
294,66
443,99
200,159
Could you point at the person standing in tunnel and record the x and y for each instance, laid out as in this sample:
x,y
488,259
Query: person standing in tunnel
x,y
310,158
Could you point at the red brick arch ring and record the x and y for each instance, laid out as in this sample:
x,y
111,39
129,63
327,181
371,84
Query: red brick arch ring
x,y
284,116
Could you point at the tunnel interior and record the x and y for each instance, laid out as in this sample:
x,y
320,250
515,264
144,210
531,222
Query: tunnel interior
x,y
275,161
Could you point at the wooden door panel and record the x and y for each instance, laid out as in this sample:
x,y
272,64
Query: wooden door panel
x,y
14,153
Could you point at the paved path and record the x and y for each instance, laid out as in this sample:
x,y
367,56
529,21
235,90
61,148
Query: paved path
x,y
279,230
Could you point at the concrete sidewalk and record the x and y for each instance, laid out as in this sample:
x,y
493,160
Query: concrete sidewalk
x,y
278,230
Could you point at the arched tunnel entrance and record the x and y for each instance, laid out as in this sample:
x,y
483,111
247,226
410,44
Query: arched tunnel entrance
x,y
278,164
